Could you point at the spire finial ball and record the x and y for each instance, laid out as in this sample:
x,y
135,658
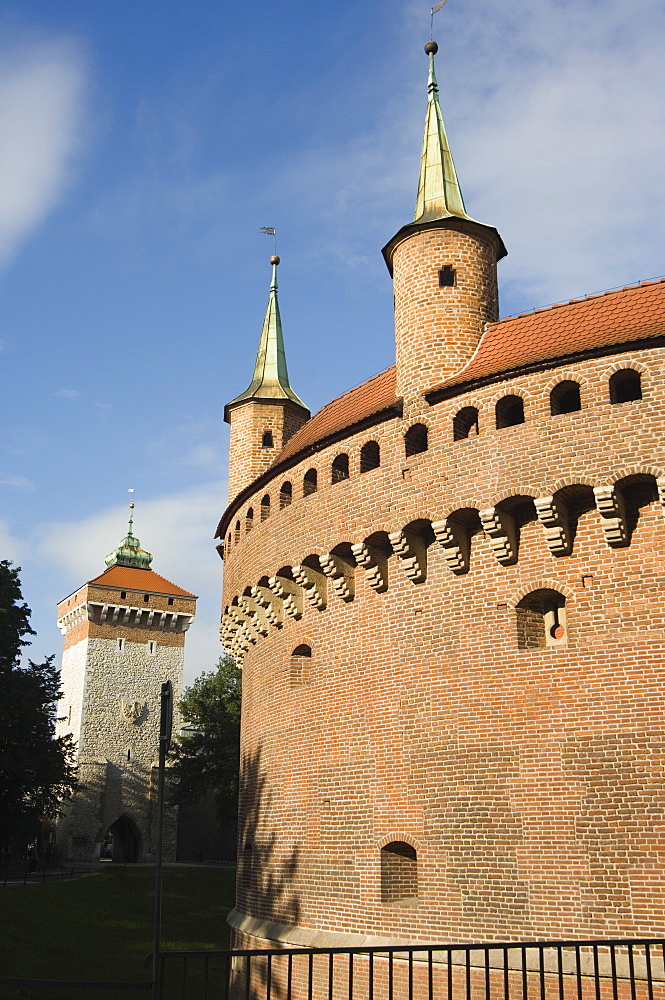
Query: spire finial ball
x,y
274,259
431,48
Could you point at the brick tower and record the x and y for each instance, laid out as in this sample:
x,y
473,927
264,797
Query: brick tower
x,y
268,413
124,635
444,270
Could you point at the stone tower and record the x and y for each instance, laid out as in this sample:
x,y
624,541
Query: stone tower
x,y
444,270
124,635
268,412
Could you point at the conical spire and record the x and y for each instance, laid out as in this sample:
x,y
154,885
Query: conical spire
x,y
129,552
439,194
271,378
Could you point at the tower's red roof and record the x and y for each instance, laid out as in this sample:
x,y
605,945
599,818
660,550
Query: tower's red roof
x,y
143,580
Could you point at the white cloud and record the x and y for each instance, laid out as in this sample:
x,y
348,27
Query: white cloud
x,y
41,92
10,547
17,482
68,393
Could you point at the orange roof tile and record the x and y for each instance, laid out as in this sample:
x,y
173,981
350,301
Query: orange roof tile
x,y
144,580
632,313
370,398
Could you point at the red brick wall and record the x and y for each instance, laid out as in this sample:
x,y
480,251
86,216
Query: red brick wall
x,y
248,423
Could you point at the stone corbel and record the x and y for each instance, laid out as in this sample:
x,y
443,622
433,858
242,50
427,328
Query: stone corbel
x,y
412,553
245,628
499,526
660,483
255,615
375,563
455,541
290,594
313,584
272,608
612,515
553,515
340,575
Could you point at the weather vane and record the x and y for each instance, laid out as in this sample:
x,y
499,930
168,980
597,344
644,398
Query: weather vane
x,y
131,506
271,231
435,8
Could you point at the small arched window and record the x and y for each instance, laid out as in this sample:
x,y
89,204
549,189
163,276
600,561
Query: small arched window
x,y
246,865
399,873
340,469
267,440
416,440
285,495
565,398
465,423
309,483
509,411
300,663
625,386
541,620
265,508
236,533
249,519
370,456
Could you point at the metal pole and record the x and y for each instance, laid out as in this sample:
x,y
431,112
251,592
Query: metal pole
x,y
165,723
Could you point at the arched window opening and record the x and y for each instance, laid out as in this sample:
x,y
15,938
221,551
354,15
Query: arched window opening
x,y
541,620
415,440
640,501
309,483
565,398
300,663
246,866
249,519
370,456
465,423
265,508
340,469
625,386
509,411
267,440
285,495
399,873
236,533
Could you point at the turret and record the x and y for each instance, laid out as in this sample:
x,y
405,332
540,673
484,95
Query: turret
x,y
444,269
268,412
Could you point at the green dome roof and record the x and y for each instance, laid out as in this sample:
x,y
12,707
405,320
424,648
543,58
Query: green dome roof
x,y
129,552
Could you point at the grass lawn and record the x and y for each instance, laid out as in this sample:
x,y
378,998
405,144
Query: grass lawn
x,y
99,926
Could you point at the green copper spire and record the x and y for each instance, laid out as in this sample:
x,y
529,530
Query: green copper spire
x,y
129,552
439,195
271,378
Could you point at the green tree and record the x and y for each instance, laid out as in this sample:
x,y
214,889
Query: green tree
x,y
37,770
207,757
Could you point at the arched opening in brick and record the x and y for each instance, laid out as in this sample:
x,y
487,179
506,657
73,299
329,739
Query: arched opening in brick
x,y
625,386
399,873
300,665
416,440
465,423
565,398
249,519
575,502
236,533
516,514
340,469
246,865
541,620
370,456
465,526
265,508
417,536
309,483
641,504
267,440
285,495
509,411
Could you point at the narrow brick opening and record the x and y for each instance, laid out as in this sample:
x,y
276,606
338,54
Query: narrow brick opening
x,y
465,423
416,440
265,508
246,866
565,398
509,411
447,276
249,519
267,440
340,468
625,386
541,620
300,664
236,533
309,483
285,495
399,873
370,456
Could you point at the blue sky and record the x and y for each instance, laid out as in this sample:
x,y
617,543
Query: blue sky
x,y
143,145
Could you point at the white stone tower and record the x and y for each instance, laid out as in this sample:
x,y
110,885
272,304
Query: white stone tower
x,y
124,636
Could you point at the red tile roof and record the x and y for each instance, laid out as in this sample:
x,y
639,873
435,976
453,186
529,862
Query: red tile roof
x,y
616,317
146,581
377,394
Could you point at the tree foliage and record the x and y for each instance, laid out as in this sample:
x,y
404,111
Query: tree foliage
x,y
37,770
208,756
